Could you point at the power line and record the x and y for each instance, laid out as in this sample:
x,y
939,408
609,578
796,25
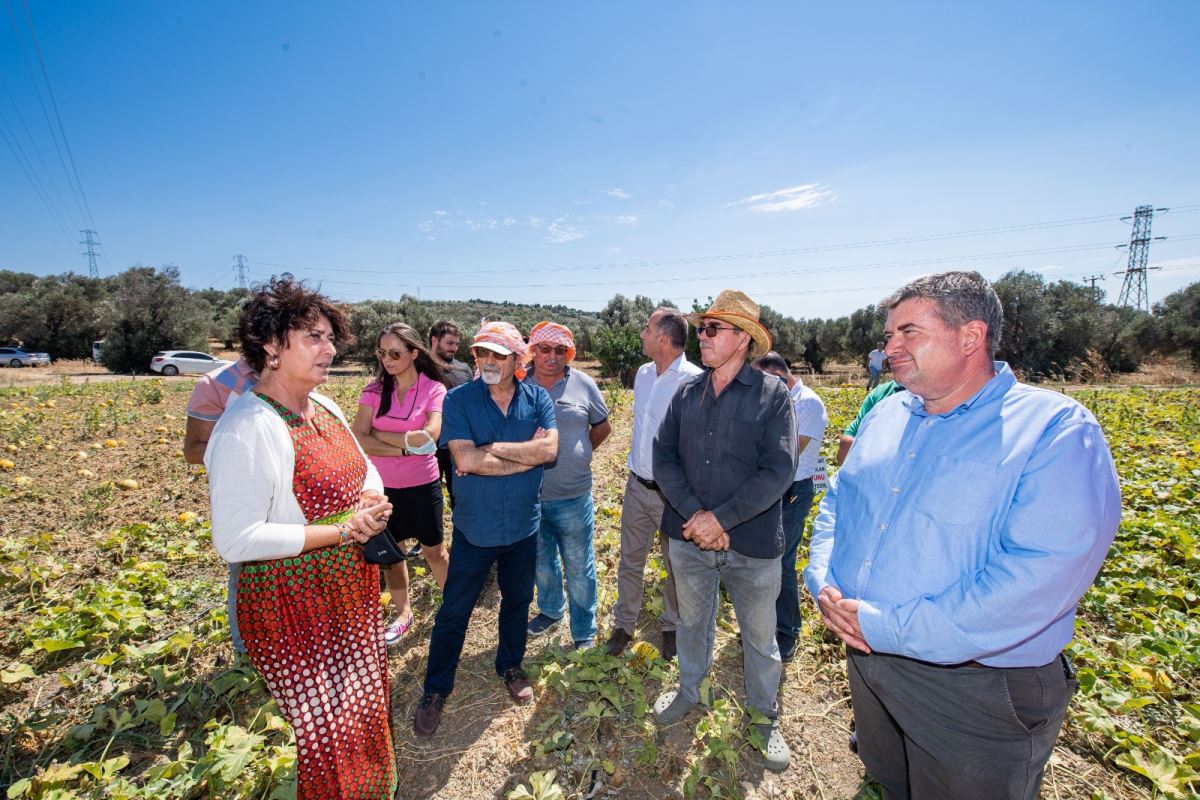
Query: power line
x,y
23,162
37,46
33,177
773,273
920,238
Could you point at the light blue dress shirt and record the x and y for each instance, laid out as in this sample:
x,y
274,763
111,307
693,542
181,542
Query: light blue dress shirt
x,y
970,535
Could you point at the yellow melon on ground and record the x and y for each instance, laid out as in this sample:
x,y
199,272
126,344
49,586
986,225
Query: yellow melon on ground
x,y
127,483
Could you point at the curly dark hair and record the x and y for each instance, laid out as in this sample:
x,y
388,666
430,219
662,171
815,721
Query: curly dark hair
x,y
426,364
282,305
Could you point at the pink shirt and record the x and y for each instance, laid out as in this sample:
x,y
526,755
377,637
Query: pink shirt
x,y
217,390
408,413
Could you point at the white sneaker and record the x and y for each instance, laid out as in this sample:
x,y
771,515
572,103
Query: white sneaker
x,y
394,632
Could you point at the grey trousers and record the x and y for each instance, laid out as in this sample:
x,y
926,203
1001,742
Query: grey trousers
x,y
753,586
929,732
641,515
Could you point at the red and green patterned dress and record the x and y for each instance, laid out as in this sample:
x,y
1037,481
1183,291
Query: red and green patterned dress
x,y
313,627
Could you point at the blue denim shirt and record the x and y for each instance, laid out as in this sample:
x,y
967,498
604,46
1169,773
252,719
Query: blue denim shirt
x,y
970,535
495,510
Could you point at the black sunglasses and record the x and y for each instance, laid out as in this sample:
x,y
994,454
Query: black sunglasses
x,y
710,329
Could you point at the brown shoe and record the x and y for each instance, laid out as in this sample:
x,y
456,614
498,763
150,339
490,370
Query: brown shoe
x,y
429,714
668,648
618,640
518,685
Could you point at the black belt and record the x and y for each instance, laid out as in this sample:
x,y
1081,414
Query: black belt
x,y
651,485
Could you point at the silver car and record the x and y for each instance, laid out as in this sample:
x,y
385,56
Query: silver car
x,y
174,362
16,357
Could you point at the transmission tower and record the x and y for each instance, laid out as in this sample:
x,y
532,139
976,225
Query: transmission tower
x,y
90,242
1134,291
240,269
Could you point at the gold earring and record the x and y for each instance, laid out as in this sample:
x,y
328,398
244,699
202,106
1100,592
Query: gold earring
x,y
273,362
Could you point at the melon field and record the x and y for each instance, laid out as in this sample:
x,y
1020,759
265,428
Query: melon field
x,y
117,678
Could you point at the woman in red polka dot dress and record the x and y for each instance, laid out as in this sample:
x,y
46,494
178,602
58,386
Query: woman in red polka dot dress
x,y
293,497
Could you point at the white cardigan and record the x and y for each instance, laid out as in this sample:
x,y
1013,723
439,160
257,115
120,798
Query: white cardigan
x,y
250,461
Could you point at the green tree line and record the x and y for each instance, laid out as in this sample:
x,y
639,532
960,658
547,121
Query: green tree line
x,y
1058,329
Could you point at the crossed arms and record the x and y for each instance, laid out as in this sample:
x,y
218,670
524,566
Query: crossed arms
x,y
504,458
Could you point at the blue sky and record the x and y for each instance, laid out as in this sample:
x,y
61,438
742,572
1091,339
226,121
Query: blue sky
x,y
566,152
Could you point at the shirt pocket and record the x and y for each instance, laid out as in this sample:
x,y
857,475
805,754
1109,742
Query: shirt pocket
x,y
519,430
957,491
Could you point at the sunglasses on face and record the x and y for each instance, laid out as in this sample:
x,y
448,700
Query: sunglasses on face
x,y
392,355
487,355
710,329
546,350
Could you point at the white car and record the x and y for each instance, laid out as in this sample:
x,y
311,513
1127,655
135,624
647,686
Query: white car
x,y
16,357
174,362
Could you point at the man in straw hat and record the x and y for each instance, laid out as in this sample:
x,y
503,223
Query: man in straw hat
x,y
724,456
500,431
568,518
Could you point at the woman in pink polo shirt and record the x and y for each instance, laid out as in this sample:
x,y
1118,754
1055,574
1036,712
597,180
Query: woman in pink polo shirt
x,y
398,423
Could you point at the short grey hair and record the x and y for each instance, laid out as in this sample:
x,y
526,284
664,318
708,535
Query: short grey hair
x,y
672,324
960,297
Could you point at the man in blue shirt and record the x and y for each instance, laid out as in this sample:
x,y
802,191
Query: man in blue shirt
x,y
950,554
500,432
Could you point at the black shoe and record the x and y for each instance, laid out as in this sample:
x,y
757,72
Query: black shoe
x,y
787,649
668,645
518,685
429,714
853,742
413,552
618,640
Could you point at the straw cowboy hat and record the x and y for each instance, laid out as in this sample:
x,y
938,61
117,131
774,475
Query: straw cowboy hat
x,y
737,309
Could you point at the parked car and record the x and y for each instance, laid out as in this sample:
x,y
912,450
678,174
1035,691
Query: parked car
x,y
174,362
17,357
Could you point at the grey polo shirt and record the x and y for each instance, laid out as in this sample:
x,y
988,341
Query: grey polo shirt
x,y
733,455
578,405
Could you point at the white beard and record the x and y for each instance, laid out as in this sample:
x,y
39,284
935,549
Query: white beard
x,y
490,376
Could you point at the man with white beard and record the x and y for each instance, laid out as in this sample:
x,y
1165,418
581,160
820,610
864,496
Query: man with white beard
x,y
500,431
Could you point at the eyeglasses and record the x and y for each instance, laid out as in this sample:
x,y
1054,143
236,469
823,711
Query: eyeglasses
x,y
546,350
710,329
483,354
393,355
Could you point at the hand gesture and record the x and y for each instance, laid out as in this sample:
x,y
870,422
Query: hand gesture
x,y
841,616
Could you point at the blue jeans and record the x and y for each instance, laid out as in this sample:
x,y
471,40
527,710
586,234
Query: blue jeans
x,y
465,579
796,503
753,586
568,528
873,381
235,571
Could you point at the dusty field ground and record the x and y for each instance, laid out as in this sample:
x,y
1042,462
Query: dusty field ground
x,y
111,600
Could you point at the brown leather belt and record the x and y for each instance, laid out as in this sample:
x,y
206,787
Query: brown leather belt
x,y
651,485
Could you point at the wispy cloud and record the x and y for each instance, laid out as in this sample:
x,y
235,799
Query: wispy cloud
x,y
666,205
616,192
555,229
793,198
560,232
626,219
